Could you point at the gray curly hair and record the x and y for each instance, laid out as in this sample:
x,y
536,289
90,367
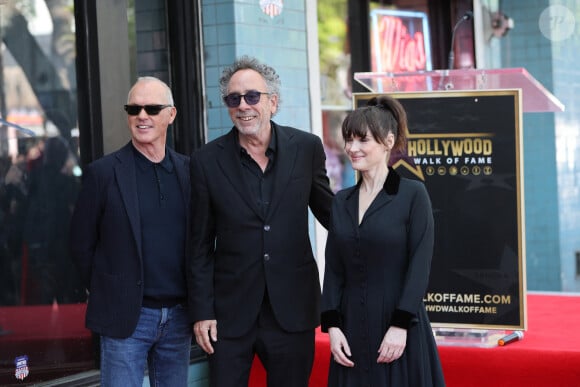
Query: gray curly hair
x,y
250,63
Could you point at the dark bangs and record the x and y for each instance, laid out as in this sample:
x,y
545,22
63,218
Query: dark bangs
x,y
361,120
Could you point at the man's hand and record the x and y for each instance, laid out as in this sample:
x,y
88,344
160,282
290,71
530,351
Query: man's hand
x,y
205,332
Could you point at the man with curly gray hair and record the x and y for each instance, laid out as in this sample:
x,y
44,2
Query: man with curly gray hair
x,y
252,274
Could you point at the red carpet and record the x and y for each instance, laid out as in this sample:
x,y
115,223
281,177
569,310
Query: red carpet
x,y
548,355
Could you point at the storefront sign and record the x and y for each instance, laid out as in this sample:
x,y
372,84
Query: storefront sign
x,y
399,41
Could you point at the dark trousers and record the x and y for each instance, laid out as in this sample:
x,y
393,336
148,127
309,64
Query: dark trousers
x,y
286,356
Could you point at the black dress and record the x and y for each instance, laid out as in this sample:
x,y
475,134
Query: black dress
x,y
376,275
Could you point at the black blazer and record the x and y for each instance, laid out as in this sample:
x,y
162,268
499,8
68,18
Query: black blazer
x,y
106,239
237,253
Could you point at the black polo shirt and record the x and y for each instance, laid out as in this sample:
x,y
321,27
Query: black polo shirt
x,y
163,232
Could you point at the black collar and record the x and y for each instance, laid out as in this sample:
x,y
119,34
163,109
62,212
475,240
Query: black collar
x,y
391,185
144,163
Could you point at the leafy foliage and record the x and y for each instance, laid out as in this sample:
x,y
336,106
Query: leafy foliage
x,y
332,33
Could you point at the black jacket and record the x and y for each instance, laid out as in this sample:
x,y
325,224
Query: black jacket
x,y
238,253
106,238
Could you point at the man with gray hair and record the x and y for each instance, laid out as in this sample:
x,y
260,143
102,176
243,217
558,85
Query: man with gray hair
x,y
253,279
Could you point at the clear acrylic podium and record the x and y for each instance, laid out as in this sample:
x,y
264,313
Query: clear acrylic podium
x,y
535,98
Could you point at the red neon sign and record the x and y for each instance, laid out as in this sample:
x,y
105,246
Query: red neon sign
x,y
398,43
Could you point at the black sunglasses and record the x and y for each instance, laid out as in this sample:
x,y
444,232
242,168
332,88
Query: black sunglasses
x,y
252,97
152,110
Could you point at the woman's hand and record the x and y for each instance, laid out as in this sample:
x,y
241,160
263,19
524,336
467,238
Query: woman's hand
x,y
339,347
393,345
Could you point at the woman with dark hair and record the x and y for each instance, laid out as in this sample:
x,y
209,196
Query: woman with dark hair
x,y
378,257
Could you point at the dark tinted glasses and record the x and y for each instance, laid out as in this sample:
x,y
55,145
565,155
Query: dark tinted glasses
x,y
152,110
252,97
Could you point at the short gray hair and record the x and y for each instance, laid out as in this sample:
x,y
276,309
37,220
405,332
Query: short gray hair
x,y
168,93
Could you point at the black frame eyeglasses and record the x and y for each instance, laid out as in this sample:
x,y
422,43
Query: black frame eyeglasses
x,y
251,97
152,110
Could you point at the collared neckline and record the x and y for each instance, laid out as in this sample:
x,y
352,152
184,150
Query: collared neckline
x,y
143,162
391,186
271,150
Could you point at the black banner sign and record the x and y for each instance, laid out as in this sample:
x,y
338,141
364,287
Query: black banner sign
x,y
467,148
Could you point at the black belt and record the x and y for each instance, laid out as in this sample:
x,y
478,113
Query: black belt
x,y
154,303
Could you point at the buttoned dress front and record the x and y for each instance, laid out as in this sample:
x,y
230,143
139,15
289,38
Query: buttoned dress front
x,y
374,271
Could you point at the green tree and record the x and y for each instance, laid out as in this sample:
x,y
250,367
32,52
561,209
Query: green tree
x,y
334,52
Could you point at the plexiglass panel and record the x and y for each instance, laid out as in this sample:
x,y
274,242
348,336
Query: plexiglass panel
x,y
535,97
